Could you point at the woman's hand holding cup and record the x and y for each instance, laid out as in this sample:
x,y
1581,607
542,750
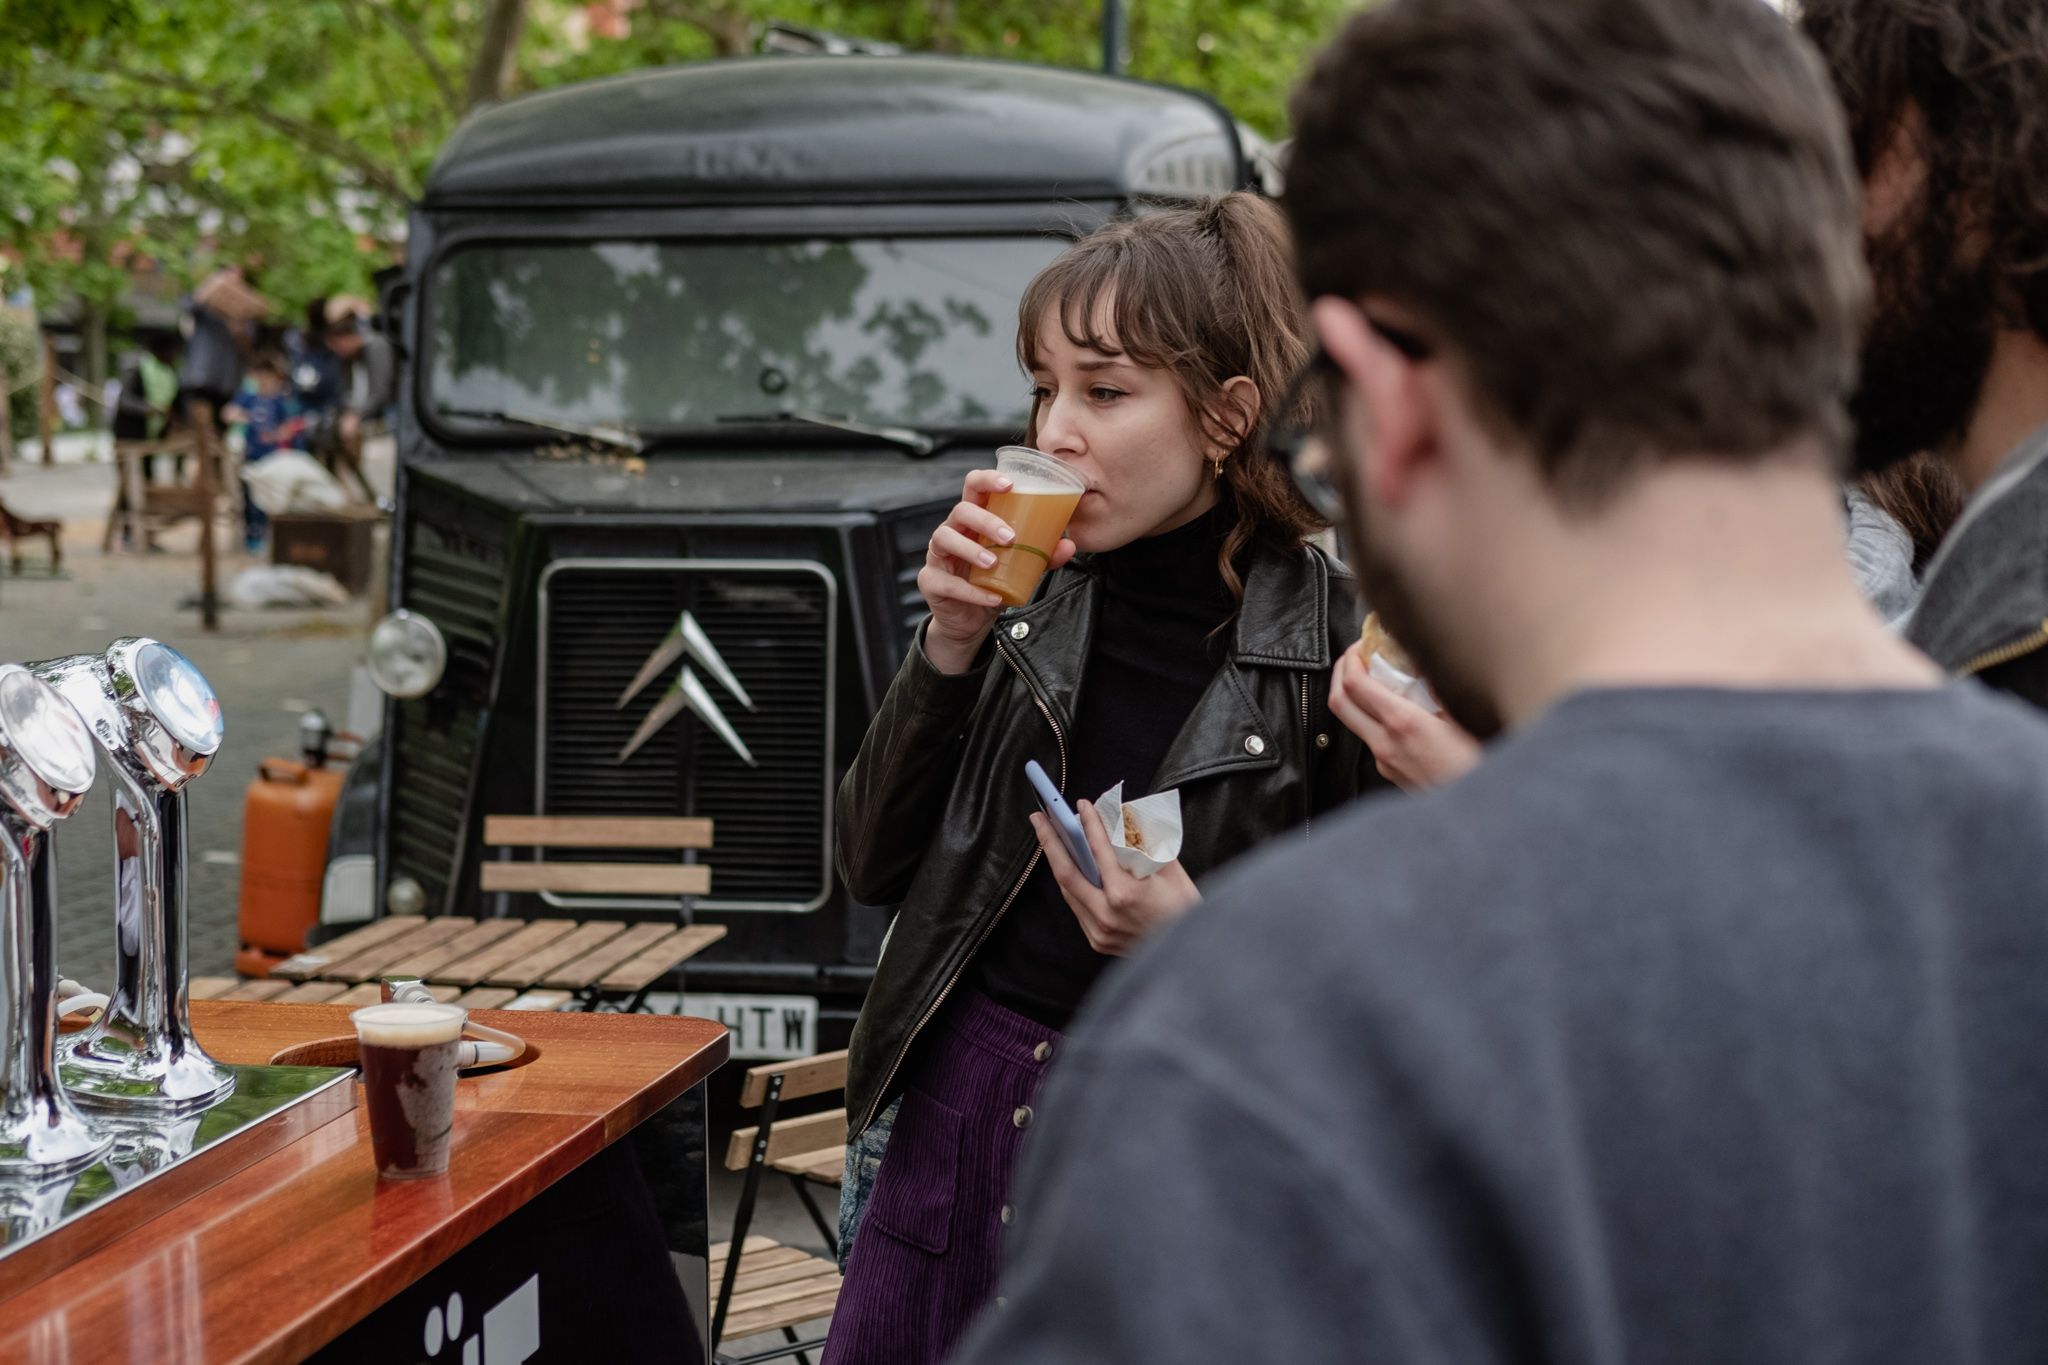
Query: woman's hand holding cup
x,y
963,614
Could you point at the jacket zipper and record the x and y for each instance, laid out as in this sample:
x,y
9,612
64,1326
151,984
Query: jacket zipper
x,y
1061,741
1308,762
2005,654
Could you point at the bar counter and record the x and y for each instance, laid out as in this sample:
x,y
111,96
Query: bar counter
x,y
276,1244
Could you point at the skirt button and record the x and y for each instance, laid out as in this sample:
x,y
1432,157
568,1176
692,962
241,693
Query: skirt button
x,y
1022,1118
1042,1053
1009,1215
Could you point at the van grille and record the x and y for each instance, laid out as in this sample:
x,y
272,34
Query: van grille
x,y
773,623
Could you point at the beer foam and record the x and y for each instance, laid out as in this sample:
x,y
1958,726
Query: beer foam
x,y
409,1025
1038,485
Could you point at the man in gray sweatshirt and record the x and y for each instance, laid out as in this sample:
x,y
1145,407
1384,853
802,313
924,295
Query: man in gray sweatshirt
x,y
1701,1022
1945,106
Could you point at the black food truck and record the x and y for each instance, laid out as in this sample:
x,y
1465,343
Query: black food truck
x,y
693,360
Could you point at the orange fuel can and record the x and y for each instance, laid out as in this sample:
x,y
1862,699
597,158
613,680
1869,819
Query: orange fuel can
x,y
286,815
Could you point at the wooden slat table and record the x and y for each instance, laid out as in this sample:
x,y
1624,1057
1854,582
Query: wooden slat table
x,y
481,964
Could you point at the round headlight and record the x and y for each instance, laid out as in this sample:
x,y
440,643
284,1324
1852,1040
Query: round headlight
x,y
407,655
405,897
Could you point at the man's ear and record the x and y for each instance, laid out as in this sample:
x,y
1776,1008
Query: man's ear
x,y
1391,422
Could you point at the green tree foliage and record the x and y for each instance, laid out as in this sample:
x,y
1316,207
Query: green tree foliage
x,y
289,135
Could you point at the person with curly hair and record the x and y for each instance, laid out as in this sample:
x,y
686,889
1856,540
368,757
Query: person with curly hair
x,y
1947,104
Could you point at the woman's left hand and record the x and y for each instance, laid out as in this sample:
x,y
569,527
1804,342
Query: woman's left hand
x,y
1414,748
1124,908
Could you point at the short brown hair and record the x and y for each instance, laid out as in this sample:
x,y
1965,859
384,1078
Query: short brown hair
x,y
1976,71
1206,293
1633,222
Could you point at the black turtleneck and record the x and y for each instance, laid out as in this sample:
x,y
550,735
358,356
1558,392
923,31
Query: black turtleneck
x,y
1156,646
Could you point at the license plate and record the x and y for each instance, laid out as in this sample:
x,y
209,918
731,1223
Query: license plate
x,y
766,1027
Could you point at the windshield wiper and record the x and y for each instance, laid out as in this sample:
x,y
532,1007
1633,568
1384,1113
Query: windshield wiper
x,y
912,440
616,436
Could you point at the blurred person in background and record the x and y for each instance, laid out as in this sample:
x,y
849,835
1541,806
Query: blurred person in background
x,y
147,399
272,420
222,316
1897,518
1701,1021
1948,116
369,386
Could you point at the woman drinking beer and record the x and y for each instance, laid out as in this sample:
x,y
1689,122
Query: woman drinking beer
x,y
1182,640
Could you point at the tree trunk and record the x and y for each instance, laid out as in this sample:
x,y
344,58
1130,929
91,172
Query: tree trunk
x,y
92,327
497,52
46,401
945,35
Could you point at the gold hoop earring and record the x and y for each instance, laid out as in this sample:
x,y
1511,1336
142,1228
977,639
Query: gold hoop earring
x,y
1216,470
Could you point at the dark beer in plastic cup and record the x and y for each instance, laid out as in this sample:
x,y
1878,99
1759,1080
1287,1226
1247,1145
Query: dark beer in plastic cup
x,y
408,1053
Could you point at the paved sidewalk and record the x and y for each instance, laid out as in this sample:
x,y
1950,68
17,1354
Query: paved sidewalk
x,y
268,668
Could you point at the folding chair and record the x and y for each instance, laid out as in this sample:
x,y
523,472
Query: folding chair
x,y
780,1286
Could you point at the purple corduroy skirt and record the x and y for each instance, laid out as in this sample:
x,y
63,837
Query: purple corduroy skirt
x,y
930,1243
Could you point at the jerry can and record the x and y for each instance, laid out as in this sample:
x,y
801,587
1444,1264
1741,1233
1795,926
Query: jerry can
x,y
286,815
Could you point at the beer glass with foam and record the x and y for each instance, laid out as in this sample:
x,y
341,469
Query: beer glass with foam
x,y
1042,497
409,1053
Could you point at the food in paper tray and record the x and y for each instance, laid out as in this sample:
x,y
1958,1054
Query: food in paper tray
x,y
1145,834
1389,664
1374,639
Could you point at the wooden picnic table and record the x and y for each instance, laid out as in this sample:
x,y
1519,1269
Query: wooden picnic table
x,y
541,964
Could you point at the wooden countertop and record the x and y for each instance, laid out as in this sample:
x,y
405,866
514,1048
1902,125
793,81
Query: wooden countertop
x,y
283,1255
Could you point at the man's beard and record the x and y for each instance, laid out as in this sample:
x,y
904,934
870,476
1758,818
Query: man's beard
x,y
1386,591
1929,344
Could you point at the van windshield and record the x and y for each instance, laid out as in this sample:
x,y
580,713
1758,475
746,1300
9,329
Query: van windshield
x,y
668,335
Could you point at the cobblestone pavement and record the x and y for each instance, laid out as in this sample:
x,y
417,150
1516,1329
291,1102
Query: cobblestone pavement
x,y
268,667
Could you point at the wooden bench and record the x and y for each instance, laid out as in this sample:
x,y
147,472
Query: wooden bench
x,y
770,1287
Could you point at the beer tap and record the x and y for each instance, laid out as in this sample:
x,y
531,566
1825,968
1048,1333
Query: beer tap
x,y
46,766
159,724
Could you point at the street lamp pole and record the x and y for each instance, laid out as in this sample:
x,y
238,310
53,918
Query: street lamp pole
x,y
1113,36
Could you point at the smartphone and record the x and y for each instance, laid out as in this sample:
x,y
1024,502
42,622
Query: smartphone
x,y
1065,821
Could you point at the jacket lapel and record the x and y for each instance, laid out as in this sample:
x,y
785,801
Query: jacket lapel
x,y
1285,625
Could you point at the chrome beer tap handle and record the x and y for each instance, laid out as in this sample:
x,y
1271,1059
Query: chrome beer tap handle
x,y
158,722
46,767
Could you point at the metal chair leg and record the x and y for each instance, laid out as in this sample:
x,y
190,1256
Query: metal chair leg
x,y
825,1228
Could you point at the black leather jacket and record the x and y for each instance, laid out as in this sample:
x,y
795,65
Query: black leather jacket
x,y
934,812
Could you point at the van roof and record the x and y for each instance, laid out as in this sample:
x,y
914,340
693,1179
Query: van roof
x,y
839,129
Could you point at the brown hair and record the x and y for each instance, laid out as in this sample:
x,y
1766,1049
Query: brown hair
x,y
1206,293
1632,223
1923,494
1977,73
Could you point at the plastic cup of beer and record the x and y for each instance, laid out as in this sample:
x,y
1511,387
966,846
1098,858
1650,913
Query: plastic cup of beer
x,y
1041,501
408,1054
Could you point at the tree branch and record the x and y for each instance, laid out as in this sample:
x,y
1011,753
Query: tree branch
x,y
401,136
497,51
730,31
417,41
375,174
